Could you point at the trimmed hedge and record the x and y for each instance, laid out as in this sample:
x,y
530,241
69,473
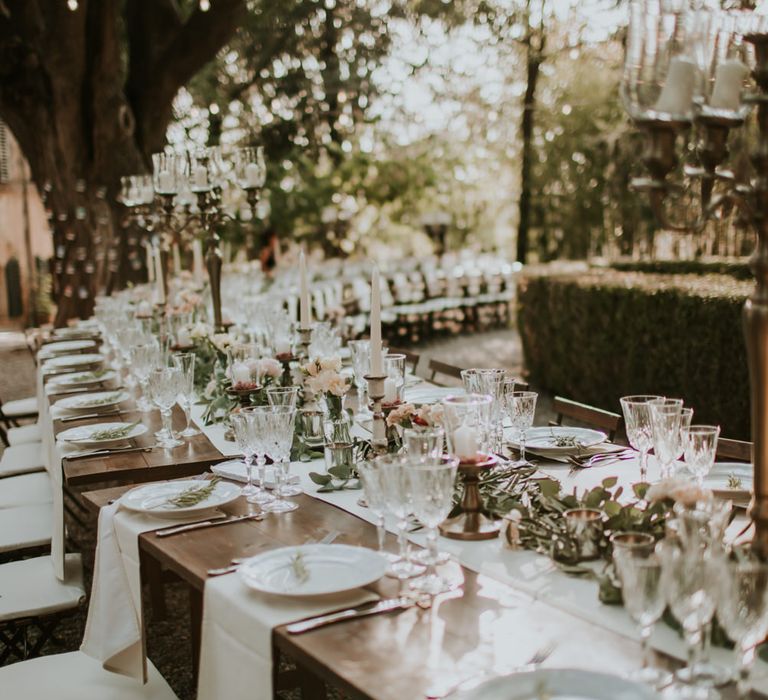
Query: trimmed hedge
x,y
738,270
602,334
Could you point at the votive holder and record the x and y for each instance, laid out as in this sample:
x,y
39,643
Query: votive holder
x,y
585,526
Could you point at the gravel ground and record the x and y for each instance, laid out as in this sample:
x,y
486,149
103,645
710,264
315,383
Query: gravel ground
x,y
168,640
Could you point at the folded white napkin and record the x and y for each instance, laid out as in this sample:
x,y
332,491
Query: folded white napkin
x,y
114,629
236,640
235,469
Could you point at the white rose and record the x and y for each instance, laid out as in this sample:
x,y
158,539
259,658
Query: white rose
x,y
330,363
271,368
337,385
200,330
222,341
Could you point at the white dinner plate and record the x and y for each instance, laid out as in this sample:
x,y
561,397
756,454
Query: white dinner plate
x,y
719,475
152,499
94,402
559,684
329,568
547,440
73,333
74,361
66,346
85,378
84,434
430,394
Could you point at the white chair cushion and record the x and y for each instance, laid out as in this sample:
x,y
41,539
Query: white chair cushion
x,y
75,676
24,434
25,526
24,490
22,459
20,407
30,587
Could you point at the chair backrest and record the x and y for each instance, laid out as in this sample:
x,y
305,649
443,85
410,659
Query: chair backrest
x,y
411,358
436,367
739,450
588,415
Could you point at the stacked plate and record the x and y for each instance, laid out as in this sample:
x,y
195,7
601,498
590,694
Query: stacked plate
x,y
732,481
559,684
96,402
312,569
65,347
102,434
558,441
154,499
82,379
67,362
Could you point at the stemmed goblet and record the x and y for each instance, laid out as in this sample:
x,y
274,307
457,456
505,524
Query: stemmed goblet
x,y
521,408
144,358
700,445
361,356
185,362
372,477
282,395
666,422
398,495
432,481
242,426
164,384
637,419
281,422
259,429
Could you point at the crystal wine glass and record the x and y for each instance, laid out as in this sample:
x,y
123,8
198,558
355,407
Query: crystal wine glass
x,y
361,356
185,362
665,424
432,483
639,569
398,495
144,358
424,442
282,396
280,439
259,430
700,444
637,419
165,383
742,610
242,426
521,407
372,478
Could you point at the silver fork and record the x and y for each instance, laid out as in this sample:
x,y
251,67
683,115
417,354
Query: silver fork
x,y
537,658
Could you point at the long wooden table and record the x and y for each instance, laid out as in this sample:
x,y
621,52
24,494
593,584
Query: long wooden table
x,y
397,655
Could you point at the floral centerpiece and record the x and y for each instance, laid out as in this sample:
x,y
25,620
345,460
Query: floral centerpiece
x,y
322,377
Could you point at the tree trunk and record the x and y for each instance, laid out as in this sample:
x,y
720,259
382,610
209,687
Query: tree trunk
x,y
534,50
83,121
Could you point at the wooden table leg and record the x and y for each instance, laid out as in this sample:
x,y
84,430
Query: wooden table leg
x,y
312,686
196,623
153,575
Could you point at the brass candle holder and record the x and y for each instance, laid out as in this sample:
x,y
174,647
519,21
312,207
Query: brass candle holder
x,y
585,526
243,396
473,523
376,396
305,337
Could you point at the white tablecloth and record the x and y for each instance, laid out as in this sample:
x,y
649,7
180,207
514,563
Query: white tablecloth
x,y
236,641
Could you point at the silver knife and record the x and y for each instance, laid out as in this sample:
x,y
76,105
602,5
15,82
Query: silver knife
x,y
350,614
85,416
106,451
211,522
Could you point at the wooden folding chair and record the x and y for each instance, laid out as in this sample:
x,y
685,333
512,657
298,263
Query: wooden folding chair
x,y
436,367
738,450
587,415
411,358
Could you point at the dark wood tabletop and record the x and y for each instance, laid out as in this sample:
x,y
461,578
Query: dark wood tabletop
x,y
396,655
136,467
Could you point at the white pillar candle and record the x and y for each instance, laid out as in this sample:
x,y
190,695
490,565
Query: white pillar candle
x,y
390,390
176,260
150,263
197,262
241,373
159,277
252,175
183,339
677,94
200,178
465,443
729,77
376,357
305,319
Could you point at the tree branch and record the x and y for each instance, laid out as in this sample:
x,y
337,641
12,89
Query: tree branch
x,y
193,44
